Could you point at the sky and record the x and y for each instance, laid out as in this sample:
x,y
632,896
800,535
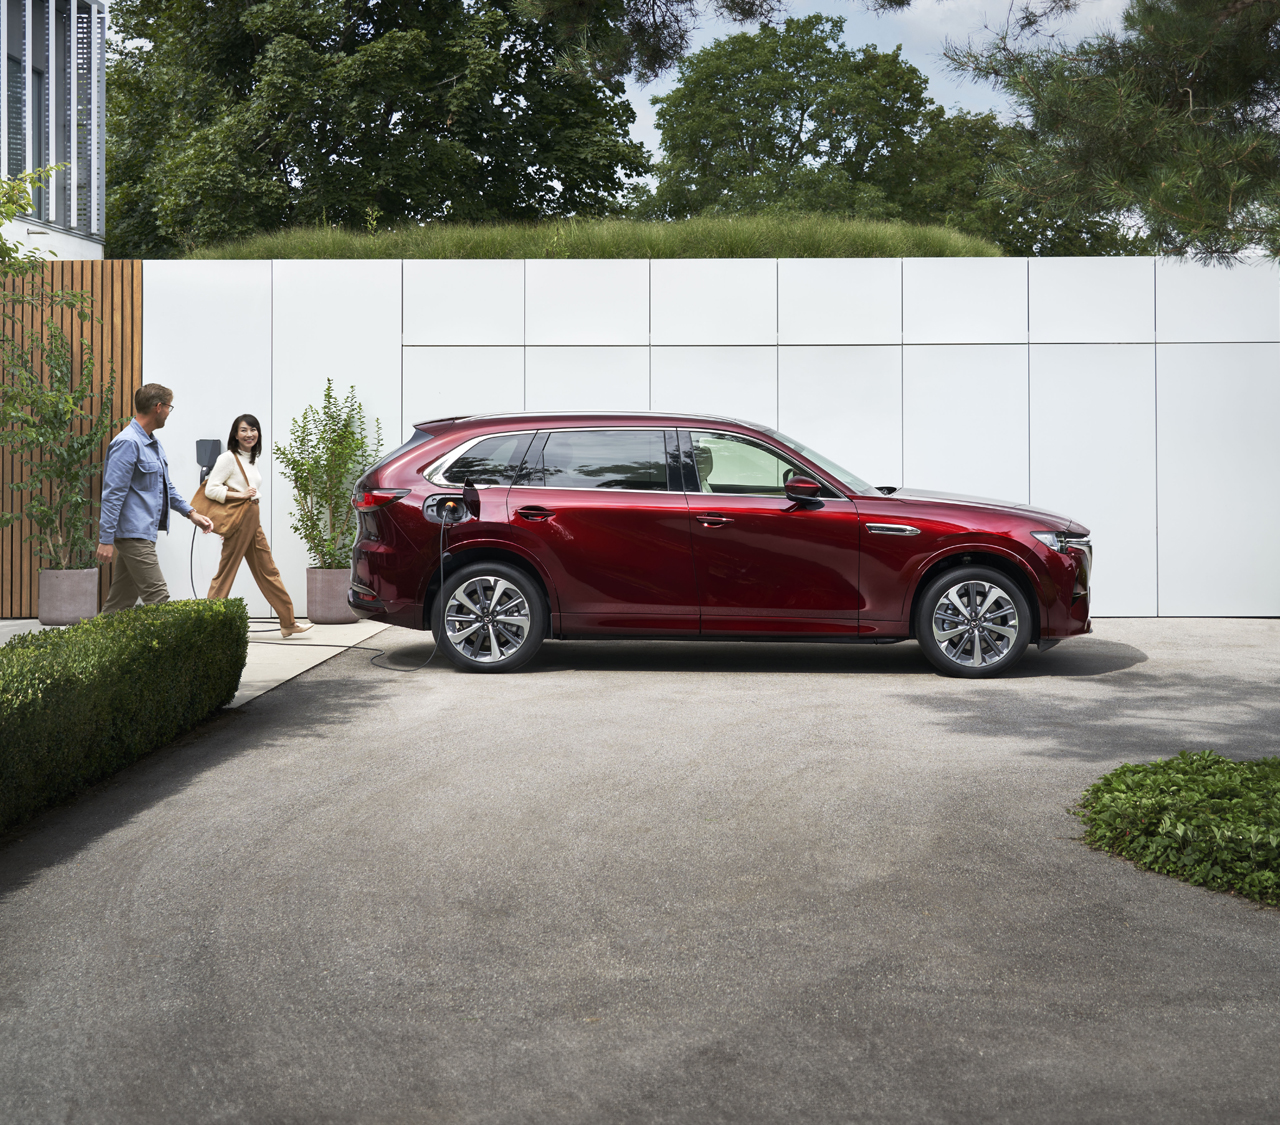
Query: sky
x,y
921,29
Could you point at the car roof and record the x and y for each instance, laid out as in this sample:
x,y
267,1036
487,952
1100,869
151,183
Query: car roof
x,y
554,417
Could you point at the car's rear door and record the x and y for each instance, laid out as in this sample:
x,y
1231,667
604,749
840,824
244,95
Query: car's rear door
x,y
604,512
765,564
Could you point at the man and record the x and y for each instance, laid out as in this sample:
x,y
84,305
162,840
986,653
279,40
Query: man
x,y
136,497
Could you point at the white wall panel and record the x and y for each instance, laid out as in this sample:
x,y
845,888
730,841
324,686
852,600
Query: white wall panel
x,y
839,301
336,320
587,302
207,335
964,300
721,301
447,382
1098,466
463,302
731,382
1208,304
1091,300
587,378
964,420
847,404
1219,479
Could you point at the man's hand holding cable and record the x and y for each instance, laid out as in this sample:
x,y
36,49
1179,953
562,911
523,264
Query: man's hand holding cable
x,y
202,522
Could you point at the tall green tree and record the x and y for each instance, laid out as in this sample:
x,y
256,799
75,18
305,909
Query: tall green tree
x,y
231,118
789,118
1168,121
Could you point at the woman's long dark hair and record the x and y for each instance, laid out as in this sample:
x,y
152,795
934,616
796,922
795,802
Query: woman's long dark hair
x,y
234,443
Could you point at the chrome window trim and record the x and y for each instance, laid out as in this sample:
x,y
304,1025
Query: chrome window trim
x,y
600,430
431,474
764,445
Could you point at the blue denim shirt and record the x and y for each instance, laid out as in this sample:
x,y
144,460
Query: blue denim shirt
x,y
135,487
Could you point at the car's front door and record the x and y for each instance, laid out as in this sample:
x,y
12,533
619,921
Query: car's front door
x,y
604,512
766,564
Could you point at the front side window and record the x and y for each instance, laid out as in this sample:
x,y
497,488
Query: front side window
x,y
491,461
631,460
736,465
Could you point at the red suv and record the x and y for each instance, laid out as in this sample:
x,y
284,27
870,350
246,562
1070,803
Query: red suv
x,y
497,532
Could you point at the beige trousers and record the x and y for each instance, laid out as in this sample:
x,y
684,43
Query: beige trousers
x,y
249,542
135,574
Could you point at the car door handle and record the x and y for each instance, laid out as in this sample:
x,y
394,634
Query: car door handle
x,y
535,512
711,519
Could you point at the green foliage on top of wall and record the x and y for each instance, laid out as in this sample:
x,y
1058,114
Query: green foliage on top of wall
x,y
747,236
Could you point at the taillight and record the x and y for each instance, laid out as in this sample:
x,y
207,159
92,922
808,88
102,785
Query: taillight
x,y
366,500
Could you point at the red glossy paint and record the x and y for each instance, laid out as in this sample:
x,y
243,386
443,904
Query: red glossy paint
x,y
681,563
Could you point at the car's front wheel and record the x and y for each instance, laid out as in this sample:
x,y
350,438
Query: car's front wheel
x,y
973,621
489,617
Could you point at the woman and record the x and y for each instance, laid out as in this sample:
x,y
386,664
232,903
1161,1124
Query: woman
x,y
237,478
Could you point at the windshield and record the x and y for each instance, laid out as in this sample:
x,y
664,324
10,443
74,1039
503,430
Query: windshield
x,y
855,483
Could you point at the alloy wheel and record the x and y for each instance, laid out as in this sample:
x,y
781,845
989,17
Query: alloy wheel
x,y
487,619
975,624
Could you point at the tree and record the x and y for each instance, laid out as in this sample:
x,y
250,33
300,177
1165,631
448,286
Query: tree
x,y
788,117
1169,122
791,119
47,416
231,118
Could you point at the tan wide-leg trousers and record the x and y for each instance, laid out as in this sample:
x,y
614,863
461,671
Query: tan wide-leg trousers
x,y
135,573
250,543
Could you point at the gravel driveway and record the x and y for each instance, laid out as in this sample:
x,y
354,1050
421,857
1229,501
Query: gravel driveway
x,y
651,883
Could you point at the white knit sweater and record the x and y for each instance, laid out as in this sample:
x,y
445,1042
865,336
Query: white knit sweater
x,y
226,476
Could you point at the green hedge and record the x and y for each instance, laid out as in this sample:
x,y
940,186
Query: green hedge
x,y
80,703
711,236
1200,817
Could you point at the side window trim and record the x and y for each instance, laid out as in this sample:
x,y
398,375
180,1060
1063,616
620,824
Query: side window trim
x,y
828,493
533,459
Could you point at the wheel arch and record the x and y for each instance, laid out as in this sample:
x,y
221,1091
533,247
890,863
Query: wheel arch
x,y
465,556
981,557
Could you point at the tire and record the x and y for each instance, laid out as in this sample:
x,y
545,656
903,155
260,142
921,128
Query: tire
x,y
469,632
959,642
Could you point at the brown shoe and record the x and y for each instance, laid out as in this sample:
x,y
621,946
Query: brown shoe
x,y
286,633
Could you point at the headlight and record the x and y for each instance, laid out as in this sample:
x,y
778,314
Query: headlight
x,y
1061,541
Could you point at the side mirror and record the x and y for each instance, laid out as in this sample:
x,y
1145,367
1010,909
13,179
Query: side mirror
x,y
800,489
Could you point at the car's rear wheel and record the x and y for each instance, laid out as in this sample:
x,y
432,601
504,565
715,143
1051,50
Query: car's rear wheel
x,y
973,621
489,617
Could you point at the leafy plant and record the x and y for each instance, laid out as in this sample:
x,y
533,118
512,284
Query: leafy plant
x,y
71,711
328,450
46,405
1203,818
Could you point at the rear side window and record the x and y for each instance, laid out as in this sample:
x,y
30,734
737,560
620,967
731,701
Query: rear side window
x,y
491,461
633,460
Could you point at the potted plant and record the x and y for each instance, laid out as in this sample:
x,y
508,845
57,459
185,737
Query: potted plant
x,y
328,451
50,421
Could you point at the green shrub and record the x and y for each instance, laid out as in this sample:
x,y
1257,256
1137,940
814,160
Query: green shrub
x,y
1200,817
78,704
711,236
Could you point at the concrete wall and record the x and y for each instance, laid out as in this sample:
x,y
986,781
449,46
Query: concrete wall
x,y
1139,396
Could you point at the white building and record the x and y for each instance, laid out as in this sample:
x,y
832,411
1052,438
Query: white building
x,y
53,111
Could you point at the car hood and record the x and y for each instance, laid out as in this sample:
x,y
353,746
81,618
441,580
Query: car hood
x,y
1052,519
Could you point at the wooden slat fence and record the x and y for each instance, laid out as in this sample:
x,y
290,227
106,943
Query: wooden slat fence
x,y
115,335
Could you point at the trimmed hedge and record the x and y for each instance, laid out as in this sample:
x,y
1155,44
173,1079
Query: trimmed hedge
x,y
80,703
707,236
1203,818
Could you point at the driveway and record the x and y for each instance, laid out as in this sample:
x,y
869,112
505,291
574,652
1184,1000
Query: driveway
x,y
651,883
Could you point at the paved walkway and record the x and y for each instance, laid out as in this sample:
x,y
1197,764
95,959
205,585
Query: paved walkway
x,y
272,660
660,884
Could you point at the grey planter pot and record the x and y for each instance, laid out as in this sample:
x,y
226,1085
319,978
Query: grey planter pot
x,y
327,597
67,597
